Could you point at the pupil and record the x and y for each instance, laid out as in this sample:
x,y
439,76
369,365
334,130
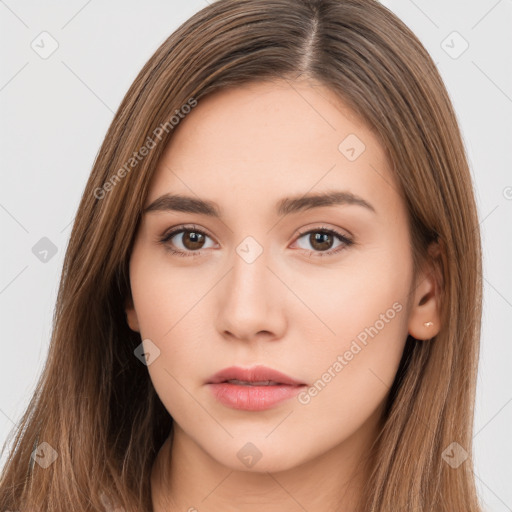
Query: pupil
x,y
320,239
193,240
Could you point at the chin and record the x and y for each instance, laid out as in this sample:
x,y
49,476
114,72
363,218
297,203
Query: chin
x,y
259,457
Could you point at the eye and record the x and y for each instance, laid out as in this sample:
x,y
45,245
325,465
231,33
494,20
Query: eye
x,y
188,240
322,239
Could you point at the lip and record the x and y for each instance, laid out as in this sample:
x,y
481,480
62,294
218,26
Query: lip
x,y
253,374
252,397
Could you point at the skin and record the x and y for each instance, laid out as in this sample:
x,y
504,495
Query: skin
x,y
290,309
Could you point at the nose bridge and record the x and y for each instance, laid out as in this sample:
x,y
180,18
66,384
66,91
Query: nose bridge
x,y
249,280
249,301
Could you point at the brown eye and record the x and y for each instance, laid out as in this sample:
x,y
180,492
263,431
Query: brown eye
x,y
185,241
192,240
321,241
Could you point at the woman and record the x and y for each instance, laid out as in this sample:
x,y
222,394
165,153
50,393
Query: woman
x,y
271,297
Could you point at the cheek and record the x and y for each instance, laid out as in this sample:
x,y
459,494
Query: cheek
x,y
352,384
354,363
163,296
166,302
371,290
351,374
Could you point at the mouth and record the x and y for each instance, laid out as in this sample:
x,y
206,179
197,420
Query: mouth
x,y
246,383
255,376
252,389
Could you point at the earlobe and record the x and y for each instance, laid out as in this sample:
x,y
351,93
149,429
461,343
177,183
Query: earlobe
x,y
131,315
424,317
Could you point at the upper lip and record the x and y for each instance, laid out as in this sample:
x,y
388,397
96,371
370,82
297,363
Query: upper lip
x,y
253,374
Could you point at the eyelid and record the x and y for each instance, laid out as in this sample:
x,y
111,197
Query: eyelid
x,y
323,227
171,232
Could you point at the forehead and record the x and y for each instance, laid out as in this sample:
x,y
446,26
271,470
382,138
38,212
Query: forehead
x,y
265,140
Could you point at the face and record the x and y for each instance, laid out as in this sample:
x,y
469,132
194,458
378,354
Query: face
x,y
267,273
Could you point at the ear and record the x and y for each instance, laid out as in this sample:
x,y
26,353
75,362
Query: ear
x,y
424,317
131,315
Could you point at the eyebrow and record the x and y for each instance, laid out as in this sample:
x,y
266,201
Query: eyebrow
x,y
286,206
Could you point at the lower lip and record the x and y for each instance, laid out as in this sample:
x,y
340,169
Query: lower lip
x,y
252,398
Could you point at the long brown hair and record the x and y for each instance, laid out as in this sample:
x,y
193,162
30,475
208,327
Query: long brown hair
x,y
95,404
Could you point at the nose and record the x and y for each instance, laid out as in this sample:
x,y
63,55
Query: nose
x,y
251,301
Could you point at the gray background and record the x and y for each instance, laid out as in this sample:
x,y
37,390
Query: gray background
x,y
55,112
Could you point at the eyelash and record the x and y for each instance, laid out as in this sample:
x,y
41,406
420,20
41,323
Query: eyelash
x,y
347,242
